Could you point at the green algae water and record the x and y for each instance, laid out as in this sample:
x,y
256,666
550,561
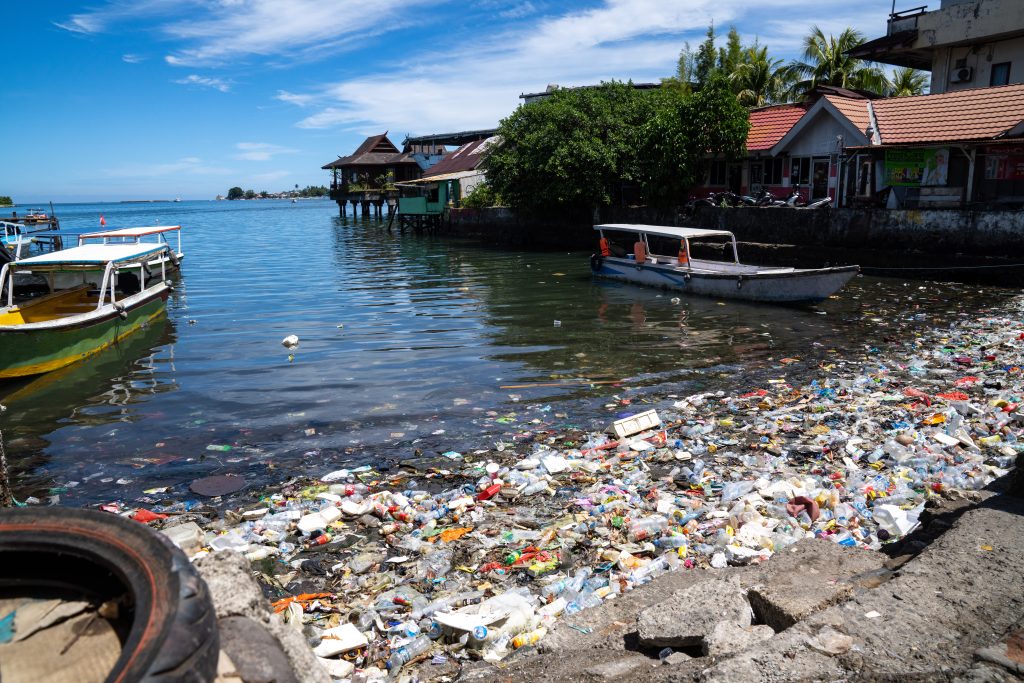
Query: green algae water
x,y
410,345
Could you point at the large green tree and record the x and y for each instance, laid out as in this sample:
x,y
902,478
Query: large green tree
x,y
826,62
680,135
731,56
570,150
758,79
236,193
705,61
577,148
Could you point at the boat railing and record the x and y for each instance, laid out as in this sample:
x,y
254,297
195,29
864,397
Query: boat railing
x,y
10,288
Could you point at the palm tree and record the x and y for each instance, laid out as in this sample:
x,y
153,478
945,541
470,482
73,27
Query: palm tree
x,y
758,79
908,81
827,63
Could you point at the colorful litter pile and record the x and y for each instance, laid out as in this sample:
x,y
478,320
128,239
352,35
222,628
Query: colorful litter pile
x,y
385,571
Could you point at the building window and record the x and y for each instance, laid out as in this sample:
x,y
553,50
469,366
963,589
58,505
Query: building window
x,y
864,172
773,171
1000,74
718,175
756,175
800,171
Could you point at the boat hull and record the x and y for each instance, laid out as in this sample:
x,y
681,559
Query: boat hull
x,y
784,287
32,349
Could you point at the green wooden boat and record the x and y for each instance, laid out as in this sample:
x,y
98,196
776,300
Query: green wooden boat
x,y
100,293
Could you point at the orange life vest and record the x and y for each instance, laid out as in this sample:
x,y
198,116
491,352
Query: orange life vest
x,y
640,252
606,250
684,258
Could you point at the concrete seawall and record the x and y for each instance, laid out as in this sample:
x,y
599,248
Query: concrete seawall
x,y
977,246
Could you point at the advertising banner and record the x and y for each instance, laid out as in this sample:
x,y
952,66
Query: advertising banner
x,y
917,167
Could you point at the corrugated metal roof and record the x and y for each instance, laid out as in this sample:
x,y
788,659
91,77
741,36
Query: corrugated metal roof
x,y
442,177
466,158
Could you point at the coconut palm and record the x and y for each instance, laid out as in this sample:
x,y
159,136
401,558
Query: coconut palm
x,y
758,79
826,62
908,81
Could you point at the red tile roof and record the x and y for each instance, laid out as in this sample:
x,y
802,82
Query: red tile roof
x,y
856,110
976,114
466,158
769,124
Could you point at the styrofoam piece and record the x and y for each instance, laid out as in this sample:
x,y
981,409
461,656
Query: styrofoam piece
x,y
554,463
330,514
311,522
635,424
340,639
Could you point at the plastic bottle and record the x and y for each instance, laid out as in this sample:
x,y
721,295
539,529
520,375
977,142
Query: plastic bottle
x,y
528,638
405,629
647,527
535,487
408,652
674,541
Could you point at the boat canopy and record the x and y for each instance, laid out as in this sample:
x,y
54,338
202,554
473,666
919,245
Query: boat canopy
x,y
131,232
665,231
91,256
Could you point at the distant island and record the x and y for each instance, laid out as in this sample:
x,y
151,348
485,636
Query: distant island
x,y
305,193
6,202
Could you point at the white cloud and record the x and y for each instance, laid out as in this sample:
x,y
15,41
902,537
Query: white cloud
x,y
132,59
218,32
81,23
293,98
185,166
301,30
519,11
474,84
206,82
260,151
271,176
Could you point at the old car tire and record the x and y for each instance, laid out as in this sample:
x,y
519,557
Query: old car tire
x,y
173,627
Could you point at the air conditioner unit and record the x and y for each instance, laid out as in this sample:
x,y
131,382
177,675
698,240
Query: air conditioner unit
x,y
962,75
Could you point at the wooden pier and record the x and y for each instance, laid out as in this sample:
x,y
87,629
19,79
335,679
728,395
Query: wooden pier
x,y
38,221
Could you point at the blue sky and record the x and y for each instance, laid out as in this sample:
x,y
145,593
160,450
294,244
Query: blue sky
x,y
147,99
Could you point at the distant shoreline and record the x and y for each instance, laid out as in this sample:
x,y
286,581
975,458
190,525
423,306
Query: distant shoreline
x,y
145,201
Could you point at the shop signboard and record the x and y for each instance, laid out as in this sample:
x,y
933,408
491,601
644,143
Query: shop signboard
x,y
1005,162
917,167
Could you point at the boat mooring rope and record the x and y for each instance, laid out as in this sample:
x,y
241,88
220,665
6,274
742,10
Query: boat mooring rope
x,y
6,495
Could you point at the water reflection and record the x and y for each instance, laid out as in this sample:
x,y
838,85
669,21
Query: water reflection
x,y
406,342
106,388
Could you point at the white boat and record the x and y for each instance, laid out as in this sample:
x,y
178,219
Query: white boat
x,y
724,279
109,293
154,234
15,241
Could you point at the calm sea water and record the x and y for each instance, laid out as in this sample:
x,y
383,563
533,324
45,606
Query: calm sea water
x,y
406,342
